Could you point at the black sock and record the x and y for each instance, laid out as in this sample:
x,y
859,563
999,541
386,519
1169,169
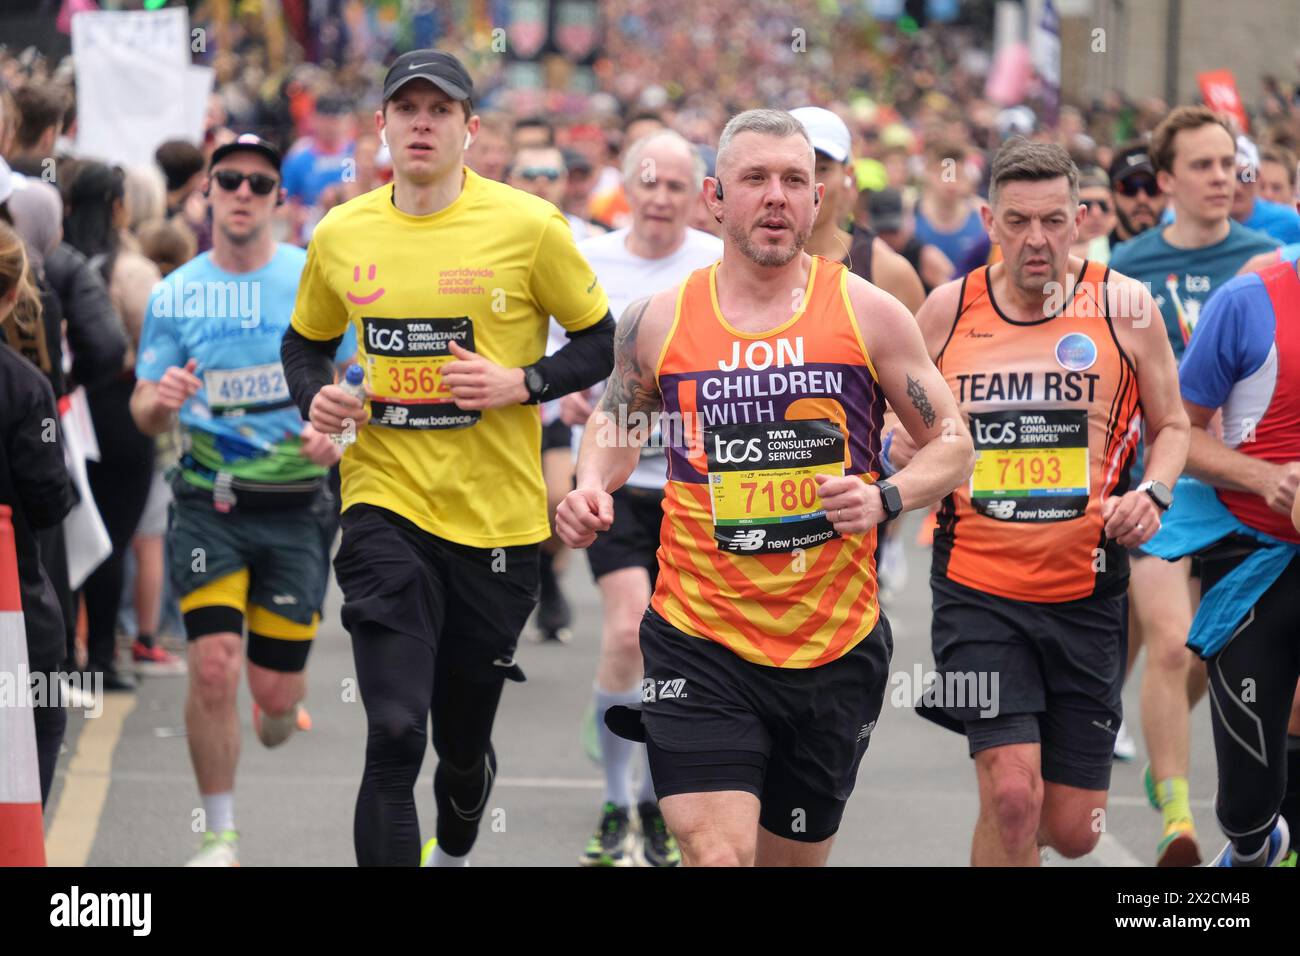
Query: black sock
x,y
1291,801
146,640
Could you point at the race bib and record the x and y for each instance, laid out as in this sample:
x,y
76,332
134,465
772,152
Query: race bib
x,y
242,391
404,360
761,483
1031,464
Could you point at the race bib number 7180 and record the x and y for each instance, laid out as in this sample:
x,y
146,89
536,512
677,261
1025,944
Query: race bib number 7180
x,y
762,483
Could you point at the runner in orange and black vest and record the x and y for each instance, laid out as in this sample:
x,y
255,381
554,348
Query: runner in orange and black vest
x,y
1055,361
766,654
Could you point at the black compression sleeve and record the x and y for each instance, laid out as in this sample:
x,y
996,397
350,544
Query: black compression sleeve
x,y
308,367
584,360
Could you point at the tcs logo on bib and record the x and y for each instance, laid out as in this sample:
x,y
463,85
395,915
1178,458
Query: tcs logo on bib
x,y
727,453
994,433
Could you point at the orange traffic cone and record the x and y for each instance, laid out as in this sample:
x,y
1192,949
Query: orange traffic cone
x,y
22,836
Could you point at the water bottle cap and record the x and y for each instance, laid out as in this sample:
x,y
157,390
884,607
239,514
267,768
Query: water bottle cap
x,y
354,375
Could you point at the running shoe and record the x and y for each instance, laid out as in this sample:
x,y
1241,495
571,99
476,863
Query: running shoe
x,y
156,661
217,849
658,846
1125,746
301,722
1279,848
613,843
426,854
114,681
1178,845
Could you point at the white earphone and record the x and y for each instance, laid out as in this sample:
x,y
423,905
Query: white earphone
x,y
383,138
468,139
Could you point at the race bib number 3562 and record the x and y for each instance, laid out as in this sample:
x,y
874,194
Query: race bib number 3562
x,y
762,483
404,360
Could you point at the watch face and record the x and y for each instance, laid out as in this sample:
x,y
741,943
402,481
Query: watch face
x,y
891,499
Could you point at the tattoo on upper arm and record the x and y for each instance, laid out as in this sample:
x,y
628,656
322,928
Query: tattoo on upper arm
x,y
920,401
630,386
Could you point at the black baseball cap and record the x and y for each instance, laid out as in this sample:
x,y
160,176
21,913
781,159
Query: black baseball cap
x,y
885,207
247,142
1131,162
441,69
575,161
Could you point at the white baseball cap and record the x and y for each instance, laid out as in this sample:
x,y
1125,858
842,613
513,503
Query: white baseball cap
x,y
827,132
1247,154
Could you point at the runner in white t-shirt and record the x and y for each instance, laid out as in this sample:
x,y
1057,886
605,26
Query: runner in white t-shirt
x,y
662,175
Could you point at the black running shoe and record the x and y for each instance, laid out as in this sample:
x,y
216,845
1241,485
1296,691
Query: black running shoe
x,y
658,846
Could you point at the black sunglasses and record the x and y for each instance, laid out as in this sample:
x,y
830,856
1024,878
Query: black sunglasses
x,y
1101,204
1137,184
259,183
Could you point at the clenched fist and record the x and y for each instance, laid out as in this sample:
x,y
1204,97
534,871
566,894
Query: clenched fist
x,y
583,513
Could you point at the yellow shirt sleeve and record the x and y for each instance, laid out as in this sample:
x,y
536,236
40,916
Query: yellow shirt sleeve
x,y
317,312
562,281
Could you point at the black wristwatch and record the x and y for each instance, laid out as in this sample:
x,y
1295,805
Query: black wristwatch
x,y
1158,492
536,384
890,499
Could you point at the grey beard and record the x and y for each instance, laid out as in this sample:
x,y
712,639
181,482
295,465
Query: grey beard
x,y
771,258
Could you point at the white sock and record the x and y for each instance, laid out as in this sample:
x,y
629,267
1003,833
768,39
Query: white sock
x,y
446,859
615,753
219,811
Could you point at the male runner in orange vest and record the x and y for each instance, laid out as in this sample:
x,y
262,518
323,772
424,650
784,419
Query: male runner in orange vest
x,y
1054,361
766,654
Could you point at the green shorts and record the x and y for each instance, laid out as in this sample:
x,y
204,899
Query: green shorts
x,y
270,568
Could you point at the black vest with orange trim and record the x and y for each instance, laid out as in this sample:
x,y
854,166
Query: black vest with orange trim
x,y
759,413
1054,414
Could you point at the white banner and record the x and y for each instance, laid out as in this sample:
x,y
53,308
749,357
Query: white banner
x,y
84,533
134,86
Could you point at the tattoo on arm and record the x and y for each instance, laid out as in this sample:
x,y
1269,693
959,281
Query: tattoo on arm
x,y
630,386
920,401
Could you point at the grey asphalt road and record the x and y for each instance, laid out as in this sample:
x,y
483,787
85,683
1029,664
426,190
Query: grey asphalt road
x,y
125,794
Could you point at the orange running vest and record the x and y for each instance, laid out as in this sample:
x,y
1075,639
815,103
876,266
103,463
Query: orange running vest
x,y
1053,410
747,557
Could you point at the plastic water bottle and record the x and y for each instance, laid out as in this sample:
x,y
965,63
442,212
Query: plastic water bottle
x,y
354,383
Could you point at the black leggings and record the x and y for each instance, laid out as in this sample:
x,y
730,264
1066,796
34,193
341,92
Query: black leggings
x,y
120,481
400,684
1252,682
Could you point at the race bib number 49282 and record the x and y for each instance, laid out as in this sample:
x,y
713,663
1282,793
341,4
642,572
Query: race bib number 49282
x,y
762,485
241,391
1030,464
404,360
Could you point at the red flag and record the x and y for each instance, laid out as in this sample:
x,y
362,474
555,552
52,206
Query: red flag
x,y
1219,88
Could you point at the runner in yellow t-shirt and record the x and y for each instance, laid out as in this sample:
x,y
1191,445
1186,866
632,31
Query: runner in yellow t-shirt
x,y
449,280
